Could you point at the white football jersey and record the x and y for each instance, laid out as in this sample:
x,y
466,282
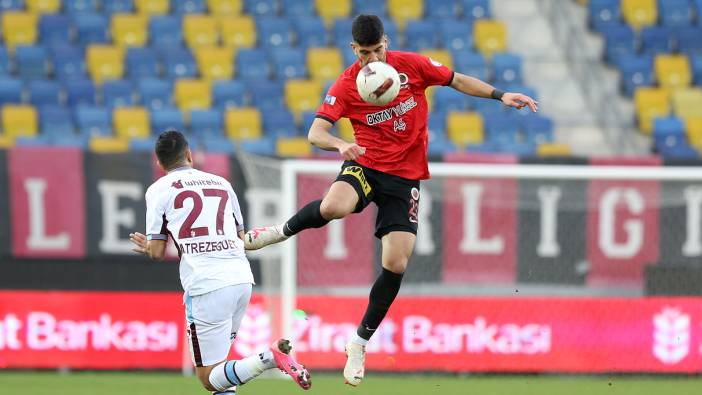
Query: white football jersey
x,y
201,213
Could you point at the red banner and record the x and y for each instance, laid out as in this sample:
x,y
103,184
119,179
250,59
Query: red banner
x,y
47,202
104,330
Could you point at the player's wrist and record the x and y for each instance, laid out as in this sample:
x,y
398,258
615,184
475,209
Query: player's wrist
x,y
497,94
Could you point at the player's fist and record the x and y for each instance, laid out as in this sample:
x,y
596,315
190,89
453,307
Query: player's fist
x,y
519,101
351,151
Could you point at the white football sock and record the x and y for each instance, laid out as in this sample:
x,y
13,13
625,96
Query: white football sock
x,y
359,340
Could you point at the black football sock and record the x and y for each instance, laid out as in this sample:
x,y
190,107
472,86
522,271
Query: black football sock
x,y
308,217
383,293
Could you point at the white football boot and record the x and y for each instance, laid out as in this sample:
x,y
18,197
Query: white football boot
x,y
355,363
260,237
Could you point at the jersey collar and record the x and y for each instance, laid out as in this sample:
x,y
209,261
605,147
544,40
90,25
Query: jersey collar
x,y
180,169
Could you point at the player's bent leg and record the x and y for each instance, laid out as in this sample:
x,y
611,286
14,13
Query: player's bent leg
x,y
340,201
397,249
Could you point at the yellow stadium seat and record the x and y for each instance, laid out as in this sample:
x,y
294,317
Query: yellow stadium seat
x,y
429,92
639,13
243,123
324,64
224,7
105,62
149,7
215,63
238,31
693,127
43,6
192,94
687,102
330,10
404,10
650,103
490,36
109,145
293,147
6,141
199,30
19,120
19,28
131,122
440,55
552,149
345,129
672,71
129,30
302,95
465,128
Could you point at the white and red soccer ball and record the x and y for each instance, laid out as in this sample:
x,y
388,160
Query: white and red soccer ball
x,y
378,83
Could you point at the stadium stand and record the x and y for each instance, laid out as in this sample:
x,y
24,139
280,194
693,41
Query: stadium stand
x,y
250,73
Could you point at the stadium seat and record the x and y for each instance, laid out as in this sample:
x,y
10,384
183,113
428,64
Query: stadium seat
x,y
80,6
687,102
672,71
178,62
619,41
199,30
696,64
55,120
4,61
440,55
636,71
192,94
261,7
228,94
243,123
252,64
373,7
108,145
91,28
6,141
68,62
79,91
656,39
19,28
130,122
441,9
143,145
267,95
293,147
344,128
447,99
402,11
215,63
465,128
141,62
420,34
117,93
237,31
155,93
117,6
165,119
297,8
206,123
471,63
189,7
129,30
54,29
693,128
154,7
456,35
93,120
302,95
225,7
552,149
43,6
502,130
331,10
490,36
279,123
537,129
310,32
604,13
44,92
324,64
507,68
650,103
675,13
31,61
476,9
262,146
165,31
274,32
218,144
639,13
10,90
288,63
105,62
688,40
19,120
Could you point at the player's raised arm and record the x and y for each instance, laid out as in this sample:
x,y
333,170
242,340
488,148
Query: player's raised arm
x,y
475,87
320,136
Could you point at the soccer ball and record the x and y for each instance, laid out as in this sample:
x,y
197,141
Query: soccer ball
x,y
378,83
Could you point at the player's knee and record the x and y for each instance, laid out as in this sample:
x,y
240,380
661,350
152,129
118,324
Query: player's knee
x,y
396,264
331,209
204,378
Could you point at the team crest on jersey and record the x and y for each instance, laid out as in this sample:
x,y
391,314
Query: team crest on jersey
x,y
329,99
404,80
177,184
399,125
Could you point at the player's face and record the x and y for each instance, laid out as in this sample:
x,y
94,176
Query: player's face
x,y
371,53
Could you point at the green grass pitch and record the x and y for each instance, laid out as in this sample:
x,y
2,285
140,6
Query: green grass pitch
x,y
141,383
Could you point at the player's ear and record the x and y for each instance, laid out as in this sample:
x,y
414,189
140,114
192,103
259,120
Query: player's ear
x,y
189,156
161,166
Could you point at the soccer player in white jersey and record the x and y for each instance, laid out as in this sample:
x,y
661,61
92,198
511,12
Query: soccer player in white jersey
x,y
200,211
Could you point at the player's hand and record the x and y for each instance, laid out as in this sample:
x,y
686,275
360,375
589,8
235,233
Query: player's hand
x,y
140,241
519,101
351,151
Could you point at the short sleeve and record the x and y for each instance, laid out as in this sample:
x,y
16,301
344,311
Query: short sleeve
x,y
236,209
434,72
155,216
333,106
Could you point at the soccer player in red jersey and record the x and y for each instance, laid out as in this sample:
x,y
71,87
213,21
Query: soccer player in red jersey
x,y
384,165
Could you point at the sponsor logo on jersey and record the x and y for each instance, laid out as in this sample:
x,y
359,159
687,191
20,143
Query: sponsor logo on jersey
x,y
388,113
329,99
357,172
195,183
177,184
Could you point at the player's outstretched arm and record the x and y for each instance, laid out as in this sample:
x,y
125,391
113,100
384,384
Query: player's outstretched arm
x,y
320,136
154,249
475,87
